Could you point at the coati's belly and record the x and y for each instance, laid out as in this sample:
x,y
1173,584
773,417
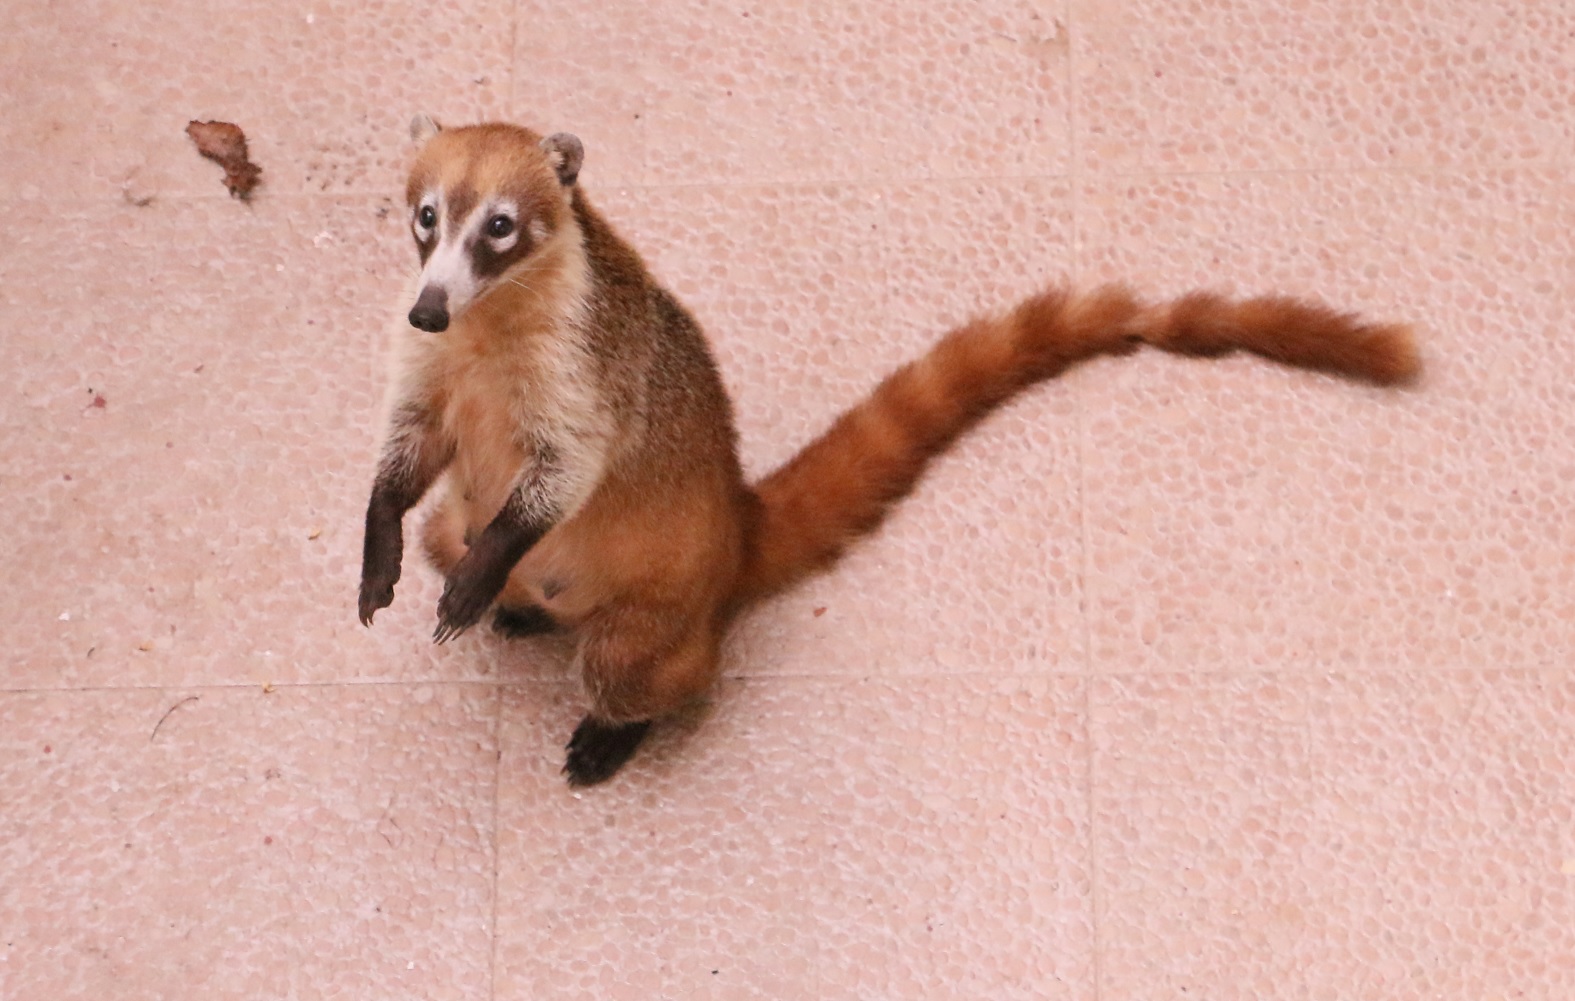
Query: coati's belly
x,y
536,447
488,458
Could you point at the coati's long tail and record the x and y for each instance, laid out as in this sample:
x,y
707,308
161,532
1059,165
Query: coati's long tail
x,y
841,486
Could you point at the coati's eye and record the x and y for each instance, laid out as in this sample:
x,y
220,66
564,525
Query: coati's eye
x,y
499,226
427,217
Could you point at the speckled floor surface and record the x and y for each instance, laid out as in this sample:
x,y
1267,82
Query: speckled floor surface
x,y
1178,680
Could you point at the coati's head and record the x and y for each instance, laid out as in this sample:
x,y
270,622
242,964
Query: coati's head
x,y
484,199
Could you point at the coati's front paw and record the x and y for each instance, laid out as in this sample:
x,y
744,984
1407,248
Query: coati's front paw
x,y
466,597
375,594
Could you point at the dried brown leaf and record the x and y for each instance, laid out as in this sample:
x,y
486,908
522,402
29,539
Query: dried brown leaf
x,y
225,144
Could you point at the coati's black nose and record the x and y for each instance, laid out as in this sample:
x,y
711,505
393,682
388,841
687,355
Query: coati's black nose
x,y
430,313
433,321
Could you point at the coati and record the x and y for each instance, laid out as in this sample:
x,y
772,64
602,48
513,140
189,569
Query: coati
x,y
592,474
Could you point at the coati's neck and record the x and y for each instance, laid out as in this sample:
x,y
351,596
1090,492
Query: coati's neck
x,y
612,261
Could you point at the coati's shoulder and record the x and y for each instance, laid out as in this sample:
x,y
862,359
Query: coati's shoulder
x,y
634,322
614,260
627,299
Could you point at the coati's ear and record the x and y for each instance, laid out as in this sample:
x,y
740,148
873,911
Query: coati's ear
x,y
423,127
567,153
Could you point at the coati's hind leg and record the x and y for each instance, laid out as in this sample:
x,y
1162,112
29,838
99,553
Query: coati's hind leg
x,y
528,620
597,750
637,665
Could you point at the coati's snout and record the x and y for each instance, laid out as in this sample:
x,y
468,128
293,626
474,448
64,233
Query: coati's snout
x,y
430,313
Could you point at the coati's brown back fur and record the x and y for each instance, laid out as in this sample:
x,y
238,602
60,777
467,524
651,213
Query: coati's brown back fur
x,y
578,358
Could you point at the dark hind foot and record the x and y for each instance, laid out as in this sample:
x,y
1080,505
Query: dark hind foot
x,y
598,749
532,620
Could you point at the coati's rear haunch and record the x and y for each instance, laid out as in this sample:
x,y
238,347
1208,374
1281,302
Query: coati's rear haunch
x,y
592,473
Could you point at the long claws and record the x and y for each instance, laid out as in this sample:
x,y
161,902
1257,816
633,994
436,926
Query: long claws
x,y
453,621
447,630
373,598
466,598
448,627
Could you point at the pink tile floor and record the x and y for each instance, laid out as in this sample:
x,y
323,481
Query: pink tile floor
x,y
1178,680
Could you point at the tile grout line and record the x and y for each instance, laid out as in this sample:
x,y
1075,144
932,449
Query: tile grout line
x,y
497,700
1095,896
643,136
1080,403
1292,673
1307,778
497,785
1401,170
514,53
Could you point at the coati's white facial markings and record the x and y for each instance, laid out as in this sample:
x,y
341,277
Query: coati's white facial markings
x,y
461,254
503,227
424,223
464,256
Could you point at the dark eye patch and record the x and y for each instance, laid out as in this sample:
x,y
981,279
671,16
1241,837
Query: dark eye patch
x,y
491,263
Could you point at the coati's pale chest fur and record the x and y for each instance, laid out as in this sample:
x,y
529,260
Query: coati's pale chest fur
x,y
586,447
